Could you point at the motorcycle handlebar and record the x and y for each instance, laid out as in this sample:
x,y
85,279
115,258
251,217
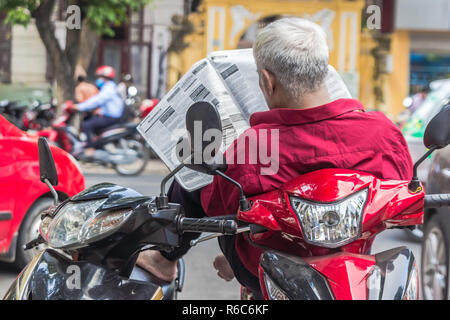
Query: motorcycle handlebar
x,y
206,225
437,200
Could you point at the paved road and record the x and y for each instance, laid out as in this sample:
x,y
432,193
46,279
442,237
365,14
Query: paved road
x,y
201,280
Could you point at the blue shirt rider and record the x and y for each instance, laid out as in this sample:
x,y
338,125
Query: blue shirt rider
x,y
108,106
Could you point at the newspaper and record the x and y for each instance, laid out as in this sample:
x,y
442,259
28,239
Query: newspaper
x,y
229,81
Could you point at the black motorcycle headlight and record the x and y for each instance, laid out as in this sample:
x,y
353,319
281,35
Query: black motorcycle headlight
x,y
77,224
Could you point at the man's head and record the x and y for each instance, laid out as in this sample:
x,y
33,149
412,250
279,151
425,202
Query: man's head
x,y
292,59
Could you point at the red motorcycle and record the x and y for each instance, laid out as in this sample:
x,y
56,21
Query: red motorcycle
x,y
312,236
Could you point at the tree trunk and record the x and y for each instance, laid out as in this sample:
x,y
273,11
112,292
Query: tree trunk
x,y
88,44
63,63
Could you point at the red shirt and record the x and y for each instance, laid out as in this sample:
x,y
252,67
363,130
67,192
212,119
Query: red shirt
x,y
335,135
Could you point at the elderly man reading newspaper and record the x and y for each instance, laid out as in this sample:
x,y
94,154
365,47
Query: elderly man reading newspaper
x,y
313,132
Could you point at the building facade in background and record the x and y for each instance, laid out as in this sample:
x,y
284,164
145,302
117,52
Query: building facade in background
x,y
374,63
428,25
380,66
138,48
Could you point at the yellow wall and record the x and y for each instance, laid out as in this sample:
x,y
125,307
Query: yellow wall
x,y
398,81
220,24
366,82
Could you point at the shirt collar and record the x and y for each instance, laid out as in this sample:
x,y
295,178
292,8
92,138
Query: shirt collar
x,y
287,116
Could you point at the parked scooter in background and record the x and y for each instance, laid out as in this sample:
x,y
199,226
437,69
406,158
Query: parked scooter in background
x,y
40,115
13,112
119,146
314,233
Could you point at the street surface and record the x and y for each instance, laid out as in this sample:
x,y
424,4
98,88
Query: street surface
x,y
201,280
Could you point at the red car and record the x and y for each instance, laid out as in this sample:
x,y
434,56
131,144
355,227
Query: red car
x,y
22,195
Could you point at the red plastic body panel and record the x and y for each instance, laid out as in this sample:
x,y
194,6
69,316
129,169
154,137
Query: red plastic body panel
x,y
20,185
346,274
389,204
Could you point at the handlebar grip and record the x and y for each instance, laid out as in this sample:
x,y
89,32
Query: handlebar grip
x,y
437,200
207,225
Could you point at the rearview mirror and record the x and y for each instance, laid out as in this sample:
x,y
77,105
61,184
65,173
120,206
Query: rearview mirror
x,y
204,126
47,169
437,133
205,131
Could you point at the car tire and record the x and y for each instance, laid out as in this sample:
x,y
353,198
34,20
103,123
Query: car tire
x,y
435,257
27,231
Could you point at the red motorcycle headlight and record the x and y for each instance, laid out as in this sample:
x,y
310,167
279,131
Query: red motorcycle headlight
x,y
333,224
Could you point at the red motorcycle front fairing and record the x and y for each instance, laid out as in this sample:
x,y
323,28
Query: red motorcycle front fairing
x,y
389,204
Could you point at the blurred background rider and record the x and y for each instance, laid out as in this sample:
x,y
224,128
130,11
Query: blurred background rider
x,y
107,105
122,87
84,90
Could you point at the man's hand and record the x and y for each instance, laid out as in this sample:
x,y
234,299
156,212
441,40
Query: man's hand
x,y
223,268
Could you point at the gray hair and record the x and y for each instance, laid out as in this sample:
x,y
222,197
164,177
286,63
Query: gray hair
x,y
295,50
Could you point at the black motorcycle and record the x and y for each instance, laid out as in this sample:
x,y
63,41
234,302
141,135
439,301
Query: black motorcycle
x,y
94,239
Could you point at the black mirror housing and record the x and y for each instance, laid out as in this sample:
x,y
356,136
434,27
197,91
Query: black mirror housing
x,y
47,167
437,133
206,116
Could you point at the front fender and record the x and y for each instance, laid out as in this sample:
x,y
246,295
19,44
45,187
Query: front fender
x,y
341,276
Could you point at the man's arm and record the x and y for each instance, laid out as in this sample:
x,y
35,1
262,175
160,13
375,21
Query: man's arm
x,y
397,164
221,197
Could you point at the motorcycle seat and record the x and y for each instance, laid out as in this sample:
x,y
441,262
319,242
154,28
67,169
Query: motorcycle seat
x,y
117,126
